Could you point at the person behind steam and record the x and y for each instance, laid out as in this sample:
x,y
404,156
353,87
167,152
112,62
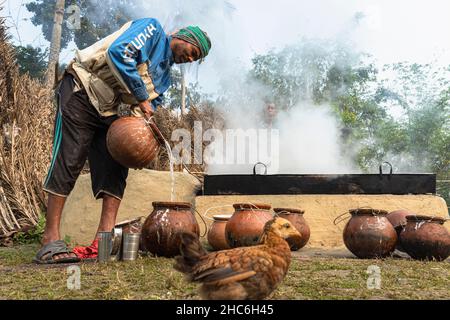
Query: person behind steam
x,y
270,115
129,67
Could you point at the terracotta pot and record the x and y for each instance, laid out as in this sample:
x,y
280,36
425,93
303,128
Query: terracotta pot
x,y
296,217
398,220
216,234
369,234
426,238
160,232
247,224
133,142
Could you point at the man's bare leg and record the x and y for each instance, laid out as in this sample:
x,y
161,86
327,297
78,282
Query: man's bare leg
x,y
55,207
109,214
54,212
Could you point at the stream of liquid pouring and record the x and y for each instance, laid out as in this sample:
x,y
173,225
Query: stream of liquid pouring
x,y
172,174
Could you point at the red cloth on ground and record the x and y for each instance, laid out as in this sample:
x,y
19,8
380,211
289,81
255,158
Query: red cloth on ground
x,y
90,252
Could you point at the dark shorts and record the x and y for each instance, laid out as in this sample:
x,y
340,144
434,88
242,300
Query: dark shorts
x,y
80,134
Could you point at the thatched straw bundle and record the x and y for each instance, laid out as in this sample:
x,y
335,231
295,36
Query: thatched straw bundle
x,y
26,117
167,122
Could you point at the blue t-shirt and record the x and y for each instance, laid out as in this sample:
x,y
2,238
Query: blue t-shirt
x,y
143,42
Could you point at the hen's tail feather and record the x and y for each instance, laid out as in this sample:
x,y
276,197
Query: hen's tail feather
x,y
191,251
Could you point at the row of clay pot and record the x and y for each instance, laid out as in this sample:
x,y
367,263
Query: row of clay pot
x,y
372,233
369,233
246,225
243,228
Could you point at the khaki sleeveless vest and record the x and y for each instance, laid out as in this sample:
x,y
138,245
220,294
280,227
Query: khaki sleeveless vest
x,y
103,83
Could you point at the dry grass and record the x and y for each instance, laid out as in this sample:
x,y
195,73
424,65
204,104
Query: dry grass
x,y
26,123
155,279
168,122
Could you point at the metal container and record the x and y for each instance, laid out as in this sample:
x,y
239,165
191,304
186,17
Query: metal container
x,y
104,246
369,234
288,184
247,224
130,247
426,238
116,250
296,217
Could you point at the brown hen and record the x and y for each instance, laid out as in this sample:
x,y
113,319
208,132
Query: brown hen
x,y
247,273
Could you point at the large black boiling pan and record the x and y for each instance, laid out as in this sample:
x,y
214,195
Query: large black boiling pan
x,y
397,184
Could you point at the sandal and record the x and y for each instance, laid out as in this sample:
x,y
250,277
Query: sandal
x,y
46,254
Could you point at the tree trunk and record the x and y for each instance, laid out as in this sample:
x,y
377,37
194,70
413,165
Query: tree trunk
x,y
183,90
55,46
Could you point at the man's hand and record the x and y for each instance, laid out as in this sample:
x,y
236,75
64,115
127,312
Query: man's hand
x,y
147,109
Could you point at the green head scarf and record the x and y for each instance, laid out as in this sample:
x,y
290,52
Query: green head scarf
x,y
194,35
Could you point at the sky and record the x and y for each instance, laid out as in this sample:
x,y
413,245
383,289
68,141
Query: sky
x,y
392,30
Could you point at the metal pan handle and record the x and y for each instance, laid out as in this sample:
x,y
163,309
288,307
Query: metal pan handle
x,y
391,171
262,164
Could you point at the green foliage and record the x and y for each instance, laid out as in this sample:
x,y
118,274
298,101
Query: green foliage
x,y
32,61
68,240
32,236
443,190
314,70
99,18
422,130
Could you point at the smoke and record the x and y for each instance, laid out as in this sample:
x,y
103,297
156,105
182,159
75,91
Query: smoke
x,y
310,142
306,138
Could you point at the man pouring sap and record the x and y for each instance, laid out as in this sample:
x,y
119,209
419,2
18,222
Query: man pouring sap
x,y
131,66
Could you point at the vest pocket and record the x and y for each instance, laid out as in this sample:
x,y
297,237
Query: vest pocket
x,y
103,93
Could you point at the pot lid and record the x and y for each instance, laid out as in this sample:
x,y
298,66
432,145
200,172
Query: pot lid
x,y
288,211
222,217
252,206
422,218
401,211
368,211
172,205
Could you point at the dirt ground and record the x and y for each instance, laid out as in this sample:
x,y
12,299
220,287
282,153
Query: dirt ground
x,y
314,274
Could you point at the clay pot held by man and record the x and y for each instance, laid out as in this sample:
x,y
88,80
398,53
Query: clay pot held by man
x,y
247,224
160,232
134,142
398,220
426,238
216,233
369,234
296,217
